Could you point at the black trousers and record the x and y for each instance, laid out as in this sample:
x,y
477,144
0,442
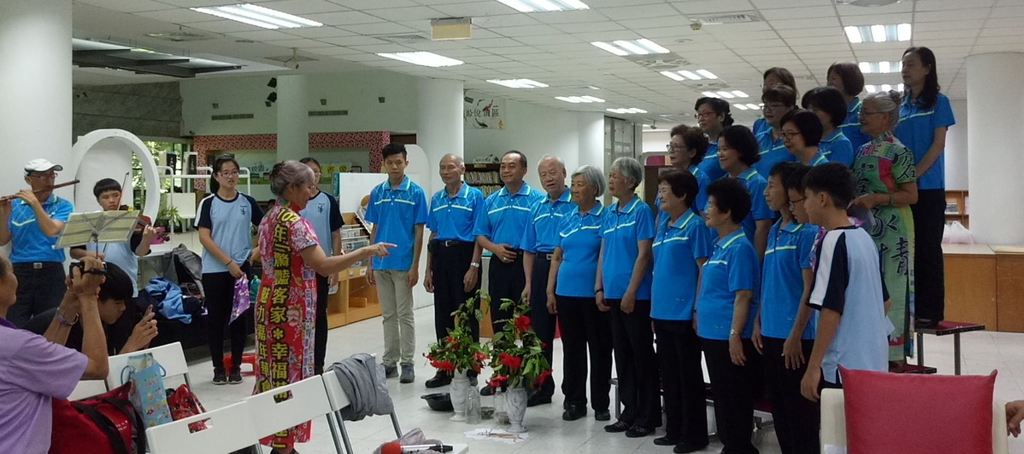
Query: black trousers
x,y
39,290
733,389
220,295
929,280
504,281
796,419
682,381
585,330
543,321
635,364
323,287
450,262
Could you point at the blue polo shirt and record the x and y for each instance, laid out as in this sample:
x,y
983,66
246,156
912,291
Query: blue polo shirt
x,y
324,214
709,165
230,223
395,213
818,159
28,243
759,210
760,125
787,255
702,194
580,240
541,235
622,229
453,218
851,125
732,267
837,148
916,130
773,151
676,249
506,215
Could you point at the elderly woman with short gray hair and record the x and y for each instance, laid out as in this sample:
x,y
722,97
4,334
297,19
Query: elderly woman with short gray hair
x,y
286,302
623,287
570,294
886,182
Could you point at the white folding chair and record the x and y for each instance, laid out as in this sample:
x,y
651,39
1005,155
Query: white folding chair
x,y
339,400
228,429
88,388
171,357
302,402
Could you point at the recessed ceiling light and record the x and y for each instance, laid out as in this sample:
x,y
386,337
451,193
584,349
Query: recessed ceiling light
x,y
422,58
518,83
530,6
673,75
627,110
592,87
635,47
709,94
725,94
740,106
882,67
707,74
858,34
740,94
579,99
257,15
755,106
692,75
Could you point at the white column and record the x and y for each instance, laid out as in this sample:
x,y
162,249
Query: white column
x,y
35,87
440,125
591,132
995,105
292,118
956,148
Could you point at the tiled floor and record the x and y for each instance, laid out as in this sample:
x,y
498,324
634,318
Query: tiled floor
x,y
983,352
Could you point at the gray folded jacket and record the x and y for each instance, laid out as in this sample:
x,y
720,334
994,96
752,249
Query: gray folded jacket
x,y
366,386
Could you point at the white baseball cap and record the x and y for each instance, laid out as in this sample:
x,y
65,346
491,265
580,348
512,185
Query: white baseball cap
x,y
41,165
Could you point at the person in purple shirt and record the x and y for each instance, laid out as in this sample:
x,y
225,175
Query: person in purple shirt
x,y
34,370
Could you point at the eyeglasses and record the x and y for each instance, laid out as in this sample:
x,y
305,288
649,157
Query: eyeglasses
x,y
790,134
792,203
43,175
229,173
774,106
700,115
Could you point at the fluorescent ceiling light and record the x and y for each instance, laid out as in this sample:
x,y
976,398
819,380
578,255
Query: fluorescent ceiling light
x,y
592,87
579,99
627,110
710,94
740,94
689,75
422,58
672,75
530,6
754,106
882,67
858,34
707,74
740,106
692,75
725,94
258,15
518,83
640,46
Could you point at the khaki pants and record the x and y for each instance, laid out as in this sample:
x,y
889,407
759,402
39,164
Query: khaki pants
x,y
396,308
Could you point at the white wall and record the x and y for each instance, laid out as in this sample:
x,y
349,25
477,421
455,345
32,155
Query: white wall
x,y
956,148
655,140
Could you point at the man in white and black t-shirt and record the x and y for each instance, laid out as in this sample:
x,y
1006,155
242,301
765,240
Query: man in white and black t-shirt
x,y
848,289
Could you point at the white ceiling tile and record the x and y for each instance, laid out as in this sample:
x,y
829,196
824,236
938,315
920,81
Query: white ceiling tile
x,y
894,8
589,27
262,35
949,25
223,26
938,5
355,40
192,3
884,19
386,47
299,43
704,7
570,17
807,12
379,28
1003,22
951,14
333,50
762,4
370,4
928,36
129,7
507,20
526,30
809,32
487,43
475,10
639,11
1008,11
788,24
318,32
300,7
178,16
343,18
405,14
655,22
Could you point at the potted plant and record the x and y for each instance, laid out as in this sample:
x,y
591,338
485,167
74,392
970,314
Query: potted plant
x,y
459,353
517,358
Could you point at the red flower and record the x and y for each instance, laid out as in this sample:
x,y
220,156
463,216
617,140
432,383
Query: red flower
x,y
446,366
452,341
543,377
480,356
513,363
522,323
498,381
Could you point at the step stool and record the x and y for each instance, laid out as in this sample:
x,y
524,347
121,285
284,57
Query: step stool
x,y
247,358
945,328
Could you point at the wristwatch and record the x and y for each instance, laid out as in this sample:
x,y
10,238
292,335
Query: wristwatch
x,y
474,264
733,332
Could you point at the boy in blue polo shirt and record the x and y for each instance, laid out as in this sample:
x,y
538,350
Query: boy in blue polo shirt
x,y
784,329
848,289
398,211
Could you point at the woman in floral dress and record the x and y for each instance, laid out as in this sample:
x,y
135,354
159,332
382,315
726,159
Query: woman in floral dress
x,y
286,302
887,186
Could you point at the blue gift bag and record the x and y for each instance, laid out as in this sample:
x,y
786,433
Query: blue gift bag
x,y
148,395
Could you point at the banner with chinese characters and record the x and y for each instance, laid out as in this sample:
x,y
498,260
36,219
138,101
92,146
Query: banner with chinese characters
x,y
484,112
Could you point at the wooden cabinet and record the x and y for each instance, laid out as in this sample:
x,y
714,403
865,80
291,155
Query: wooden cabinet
x,y
957,208
985,284
485,177
354,301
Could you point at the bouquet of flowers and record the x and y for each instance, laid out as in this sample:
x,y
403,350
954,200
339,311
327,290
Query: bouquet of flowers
x,y
459,352
517,355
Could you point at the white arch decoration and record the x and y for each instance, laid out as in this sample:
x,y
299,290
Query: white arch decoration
x,y
133,144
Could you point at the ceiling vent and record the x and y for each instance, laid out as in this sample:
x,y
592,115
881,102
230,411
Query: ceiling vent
x,y
659,62
245,116
727,18
328,113
293,60
181,36
410,38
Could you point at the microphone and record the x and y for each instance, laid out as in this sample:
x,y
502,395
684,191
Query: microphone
x,y
395,447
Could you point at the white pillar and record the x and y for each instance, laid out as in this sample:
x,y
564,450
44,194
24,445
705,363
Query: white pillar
x,y
35,87
439,129
995,105
292,118
956,148
591,132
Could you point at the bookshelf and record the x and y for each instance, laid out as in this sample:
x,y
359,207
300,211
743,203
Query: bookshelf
x,y
485,177
355,299
957,208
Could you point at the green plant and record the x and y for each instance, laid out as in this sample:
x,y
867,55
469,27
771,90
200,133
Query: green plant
x,y
517,354
169,217
459,352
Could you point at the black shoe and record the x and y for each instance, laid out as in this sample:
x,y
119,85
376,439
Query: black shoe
x,y
390,371
638,431
538,399
616,427
602,415
219,378
574,412
235,377
486,391
440,379
683,448
666,441
923,323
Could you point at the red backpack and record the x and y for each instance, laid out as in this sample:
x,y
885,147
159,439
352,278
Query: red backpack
x,y
102,424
